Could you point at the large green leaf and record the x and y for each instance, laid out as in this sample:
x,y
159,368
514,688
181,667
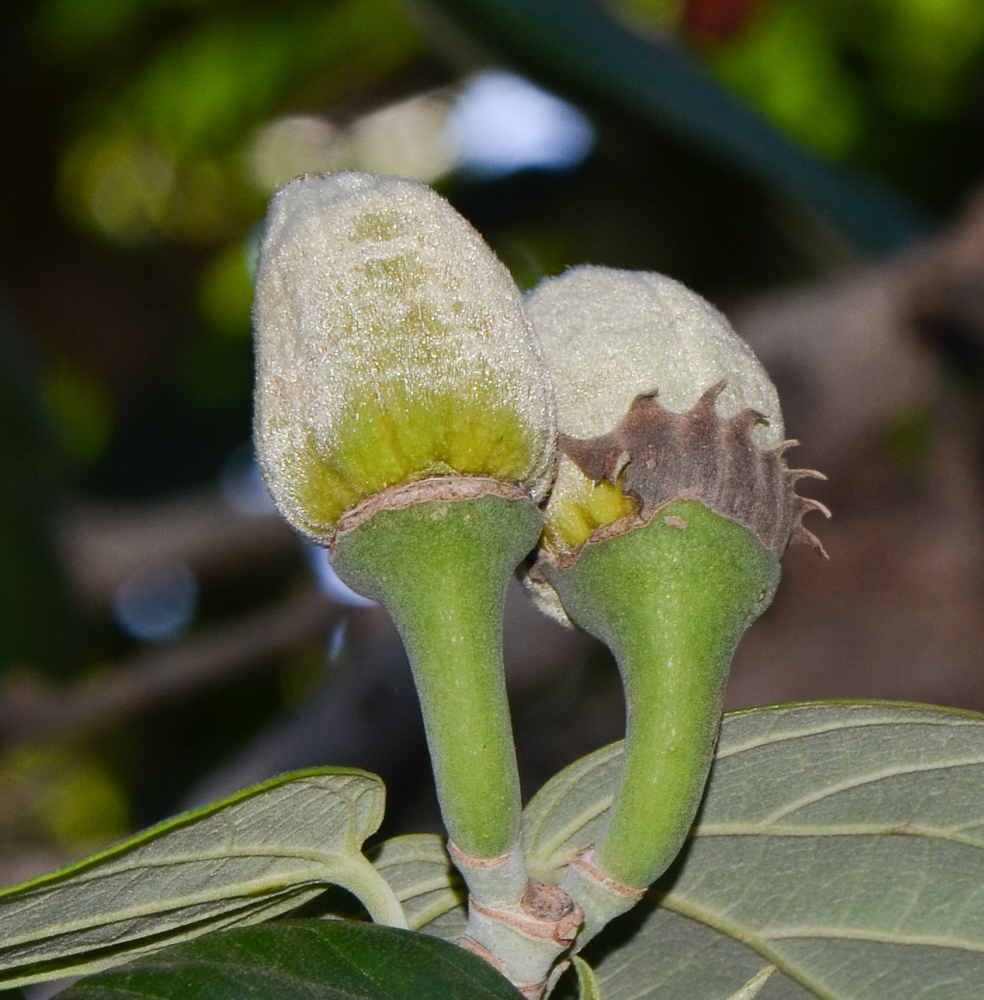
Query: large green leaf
x,y
428,886
304,960
842,843
262,852
569,812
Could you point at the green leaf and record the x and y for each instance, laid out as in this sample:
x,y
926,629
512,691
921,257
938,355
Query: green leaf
x,y
428,886
842,843
262,852
304,960
655,954
588,988
569,812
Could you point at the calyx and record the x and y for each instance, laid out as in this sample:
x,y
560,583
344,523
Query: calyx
x,y
656,456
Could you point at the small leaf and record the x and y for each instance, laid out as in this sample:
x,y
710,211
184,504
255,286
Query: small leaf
x,y
264,851
842,843
304,960
569,812
587,980
428,886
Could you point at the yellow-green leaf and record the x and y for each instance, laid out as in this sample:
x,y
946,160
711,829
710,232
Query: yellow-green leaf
x,y
587,981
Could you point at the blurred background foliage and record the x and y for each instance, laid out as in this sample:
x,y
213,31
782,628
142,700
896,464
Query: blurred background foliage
x,y
739,145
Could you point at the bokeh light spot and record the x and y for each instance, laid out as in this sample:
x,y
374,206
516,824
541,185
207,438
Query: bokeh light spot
x,y
157,603
287,147
501,123
124,185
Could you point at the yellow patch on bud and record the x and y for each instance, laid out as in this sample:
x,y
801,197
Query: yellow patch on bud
x,y
580,505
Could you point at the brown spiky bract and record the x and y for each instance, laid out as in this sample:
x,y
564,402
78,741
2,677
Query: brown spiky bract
x,y
657,456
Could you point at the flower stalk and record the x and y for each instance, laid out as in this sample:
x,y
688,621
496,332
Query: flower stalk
x,y
404,419
440,566
662,539
670,598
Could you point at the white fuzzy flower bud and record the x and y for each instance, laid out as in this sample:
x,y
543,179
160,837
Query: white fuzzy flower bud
x,y
391,345
657,399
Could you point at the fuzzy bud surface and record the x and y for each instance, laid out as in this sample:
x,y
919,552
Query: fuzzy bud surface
x,y
391,345
608,335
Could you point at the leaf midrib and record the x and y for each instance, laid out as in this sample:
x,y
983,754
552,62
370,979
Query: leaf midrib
x,y
229,891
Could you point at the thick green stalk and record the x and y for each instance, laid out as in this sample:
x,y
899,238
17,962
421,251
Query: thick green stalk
x,y
671,599
441,569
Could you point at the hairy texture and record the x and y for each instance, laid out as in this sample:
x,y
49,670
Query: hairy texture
x,y
391,345
608,336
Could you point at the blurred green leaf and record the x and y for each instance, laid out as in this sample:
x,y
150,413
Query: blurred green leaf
x,y
201,88
76,27
62,796
160,150
305,960
80,408
786,62
225,293
575,47
924,53
588,988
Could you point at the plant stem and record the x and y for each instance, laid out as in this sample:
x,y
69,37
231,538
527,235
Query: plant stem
x,y
441,567
671,598
373,891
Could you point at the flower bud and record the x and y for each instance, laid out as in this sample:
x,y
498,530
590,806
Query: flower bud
x,y
657,399
663,533
391,345
404,417
609,336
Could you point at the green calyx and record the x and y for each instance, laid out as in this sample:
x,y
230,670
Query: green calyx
x,y
440,567
671,598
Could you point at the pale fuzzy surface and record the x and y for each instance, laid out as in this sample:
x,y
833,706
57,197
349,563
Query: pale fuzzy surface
x,y
608,335
355,274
